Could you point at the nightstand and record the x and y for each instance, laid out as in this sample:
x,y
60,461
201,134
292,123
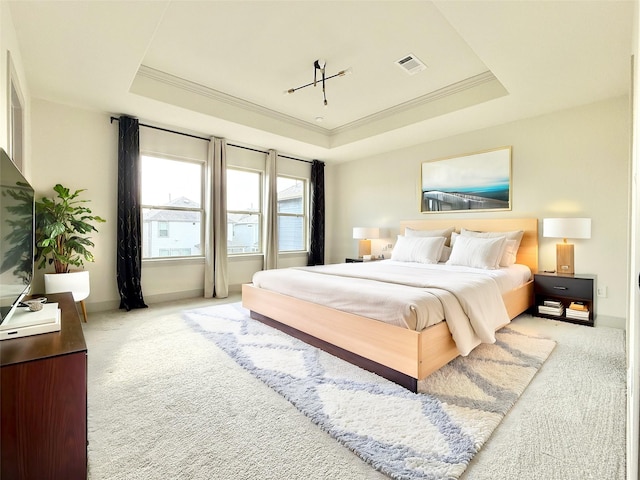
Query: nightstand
x,y
563,290
360,260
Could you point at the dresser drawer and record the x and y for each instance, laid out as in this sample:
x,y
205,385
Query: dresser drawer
x,y
570,287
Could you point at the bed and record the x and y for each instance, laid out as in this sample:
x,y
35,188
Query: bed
x,y
401,354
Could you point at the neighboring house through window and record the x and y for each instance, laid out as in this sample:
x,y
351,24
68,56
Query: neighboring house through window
x,y
172,210
292,218
244,211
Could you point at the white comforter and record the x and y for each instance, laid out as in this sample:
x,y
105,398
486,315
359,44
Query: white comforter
x,y
410,295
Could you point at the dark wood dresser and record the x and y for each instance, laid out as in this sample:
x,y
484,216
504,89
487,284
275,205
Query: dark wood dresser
x,y
43,417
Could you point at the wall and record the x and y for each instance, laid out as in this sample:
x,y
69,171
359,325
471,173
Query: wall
x,y
9,43
570,163
573,162
78,148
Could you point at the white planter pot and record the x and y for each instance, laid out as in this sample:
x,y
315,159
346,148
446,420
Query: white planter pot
x,y
75,282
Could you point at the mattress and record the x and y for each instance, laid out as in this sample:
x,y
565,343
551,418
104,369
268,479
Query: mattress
x,y
406,294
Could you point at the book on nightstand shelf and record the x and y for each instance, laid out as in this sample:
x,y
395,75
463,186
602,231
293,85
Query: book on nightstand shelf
x,y
551,307
578,310
552,303
578,306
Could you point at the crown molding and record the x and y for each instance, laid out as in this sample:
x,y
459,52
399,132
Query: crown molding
x,y
448,91
198,89
378,122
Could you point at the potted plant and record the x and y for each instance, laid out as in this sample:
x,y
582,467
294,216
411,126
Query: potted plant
x,y
62,227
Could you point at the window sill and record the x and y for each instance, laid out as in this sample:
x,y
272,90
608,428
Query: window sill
x,y
249,256
298,253
162,262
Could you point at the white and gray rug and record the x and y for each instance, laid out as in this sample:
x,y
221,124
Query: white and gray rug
x,y
430,435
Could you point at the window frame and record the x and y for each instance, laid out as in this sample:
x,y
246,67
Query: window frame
x,y
200,210
15,116
259,212
304,215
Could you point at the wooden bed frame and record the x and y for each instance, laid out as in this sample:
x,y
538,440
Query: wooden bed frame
x,y
399,354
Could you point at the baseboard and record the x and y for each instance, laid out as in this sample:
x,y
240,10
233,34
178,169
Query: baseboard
x,y
612,322
172,296
102,306
154,299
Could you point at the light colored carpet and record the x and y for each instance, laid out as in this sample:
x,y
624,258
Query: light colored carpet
x,y
570,423
432,434
223,423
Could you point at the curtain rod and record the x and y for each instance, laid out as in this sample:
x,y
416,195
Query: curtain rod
x,y
207,139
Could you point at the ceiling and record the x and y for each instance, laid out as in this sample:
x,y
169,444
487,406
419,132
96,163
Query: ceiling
x,y
221,68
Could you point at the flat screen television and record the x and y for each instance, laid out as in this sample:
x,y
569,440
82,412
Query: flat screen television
x,y
16,236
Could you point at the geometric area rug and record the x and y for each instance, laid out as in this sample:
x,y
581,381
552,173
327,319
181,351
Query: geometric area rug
x,y
432,434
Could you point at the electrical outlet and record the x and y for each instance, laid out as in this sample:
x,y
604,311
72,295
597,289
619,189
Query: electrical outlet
x,y
602,291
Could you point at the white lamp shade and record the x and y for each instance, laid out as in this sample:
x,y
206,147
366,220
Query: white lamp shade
x,y
566,227
366,232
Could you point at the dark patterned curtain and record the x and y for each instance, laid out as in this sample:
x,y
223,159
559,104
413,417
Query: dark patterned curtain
x,y
129,249
316,245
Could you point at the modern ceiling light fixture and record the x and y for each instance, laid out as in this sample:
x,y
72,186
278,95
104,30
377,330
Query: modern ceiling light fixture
x,y
320,65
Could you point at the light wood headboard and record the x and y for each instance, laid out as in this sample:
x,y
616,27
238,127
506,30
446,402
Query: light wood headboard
x,y
528,251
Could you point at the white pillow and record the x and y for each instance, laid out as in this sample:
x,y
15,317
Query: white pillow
x,y
508,256
476,252
444,232
418,249
446,253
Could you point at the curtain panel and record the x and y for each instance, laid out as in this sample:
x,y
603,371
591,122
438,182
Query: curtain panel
x,y
129,237
216,277
270,237
316,234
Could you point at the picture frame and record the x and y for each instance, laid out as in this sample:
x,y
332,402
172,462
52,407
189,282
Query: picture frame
x,y
479,181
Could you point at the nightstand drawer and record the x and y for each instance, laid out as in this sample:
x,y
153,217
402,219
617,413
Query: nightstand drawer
x,y
570,287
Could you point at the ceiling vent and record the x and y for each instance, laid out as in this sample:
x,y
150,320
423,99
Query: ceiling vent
x,y
411,64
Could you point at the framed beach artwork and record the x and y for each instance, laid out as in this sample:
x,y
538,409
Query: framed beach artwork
x,y
475,181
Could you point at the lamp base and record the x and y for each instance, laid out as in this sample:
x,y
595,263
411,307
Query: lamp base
x,y
364,248
564,258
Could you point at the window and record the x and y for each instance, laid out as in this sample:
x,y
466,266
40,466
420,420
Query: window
x,y
163,229
16,116
172,210
244,211
291,214
174,252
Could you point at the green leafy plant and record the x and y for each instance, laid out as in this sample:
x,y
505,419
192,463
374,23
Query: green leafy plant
x,y
62,226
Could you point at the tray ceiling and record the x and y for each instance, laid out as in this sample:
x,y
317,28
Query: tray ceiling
x,y
221,68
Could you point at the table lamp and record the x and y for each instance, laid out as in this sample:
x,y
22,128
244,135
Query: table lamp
x,y
566,228
365,234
